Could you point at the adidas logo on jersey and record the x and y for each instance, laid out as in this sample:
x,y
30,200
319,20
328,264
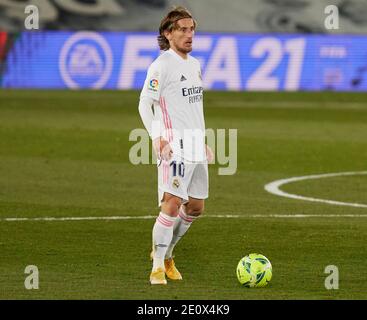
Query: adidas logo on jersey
x,y
183,78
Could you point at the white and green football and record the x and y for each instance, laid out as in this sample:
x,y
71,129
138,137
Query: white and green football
x,y
254,271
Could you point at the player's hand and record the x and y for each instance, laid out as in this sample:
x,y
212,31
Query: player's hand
x,y
162,148
209,154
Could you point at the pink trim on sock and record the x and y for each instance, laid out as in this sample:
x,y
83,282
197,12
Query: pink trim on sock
x,y
165,221
185,217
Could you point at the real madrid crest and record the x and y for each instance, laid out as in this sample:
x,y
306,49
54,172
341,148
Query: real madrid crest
x,y
176,183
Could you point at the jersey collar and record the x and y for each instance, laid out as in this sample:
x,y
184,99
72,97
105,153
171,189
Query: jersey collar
x,y
175,54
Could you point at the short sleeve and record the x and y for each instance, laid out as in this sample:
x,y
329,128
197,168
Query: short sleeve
x,y
153,82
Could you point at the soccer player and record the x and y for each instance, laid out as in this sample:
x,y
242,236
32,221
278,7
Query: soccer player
x,y
171,108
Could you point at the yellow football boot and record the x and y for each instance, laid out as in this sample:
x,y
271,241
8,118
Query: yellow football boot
x,y
171,270
158,277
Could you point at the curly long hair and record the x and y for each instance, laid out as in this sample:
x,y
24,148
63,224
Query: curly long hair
x,y
169,23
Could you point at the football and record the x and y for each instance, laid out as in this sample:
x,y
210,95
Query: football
x,y
254,271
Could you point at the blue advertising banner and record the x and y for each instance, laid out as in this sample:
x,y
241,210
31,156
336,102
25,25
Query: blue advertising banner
x,y
240,62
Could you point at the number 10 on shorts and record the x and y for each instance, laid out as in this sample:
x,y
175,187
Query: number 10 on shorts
x,y
180,167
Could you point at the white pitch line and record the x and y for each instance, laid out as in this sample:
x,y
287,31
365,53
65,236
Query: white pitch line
x,y
220,216
79,218
274,188
288,216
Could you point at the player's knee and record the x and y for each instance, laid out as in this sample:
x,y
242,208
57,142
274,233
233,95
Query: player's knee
x,y
195,210
171,205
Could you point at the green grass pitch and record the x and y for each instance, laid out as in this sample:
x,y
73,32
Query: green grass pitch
x,y
65,154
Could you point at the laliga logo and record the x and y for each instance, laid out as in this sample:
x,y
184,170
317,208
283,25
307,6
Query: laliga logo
x,y
153,84
85,61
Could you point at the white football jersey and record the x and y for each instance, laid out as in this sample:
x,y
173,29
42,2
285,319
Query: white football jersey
x,y
175,84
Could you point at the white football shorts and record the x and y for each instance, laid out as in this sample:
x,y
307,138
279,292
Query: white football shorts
x,y
183,179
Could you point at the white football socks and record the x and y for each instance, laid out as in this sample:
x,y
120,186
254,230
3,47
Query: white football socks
x,y
162,236
180,227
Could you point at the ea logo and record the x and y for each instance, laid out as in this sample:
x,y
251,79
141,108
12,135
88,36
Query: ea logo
x,y
85,61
